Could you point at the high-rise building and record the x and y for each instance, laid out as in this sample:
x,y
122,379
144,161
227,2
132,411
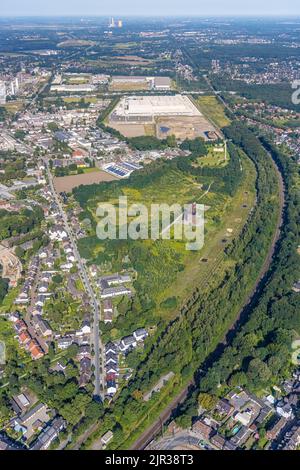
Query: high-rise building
x,y
120,23
215,65
17,85
2,93
112,23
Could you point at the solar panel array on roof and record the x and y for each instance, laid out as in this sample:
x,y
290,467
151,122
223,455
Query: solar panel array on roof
x,y
130,166
117,171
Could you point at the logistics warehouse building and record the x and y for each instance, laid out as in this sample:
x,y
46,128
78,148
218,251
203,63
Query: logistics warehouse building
x,y
146,108
150,83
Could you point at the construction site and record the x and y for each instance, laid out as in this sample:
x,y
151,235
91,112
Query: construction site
x,y
11,266
162,116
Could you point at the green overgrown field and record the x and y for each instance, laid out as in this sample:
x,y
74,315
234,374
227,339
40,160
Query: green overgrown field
x,y
77,99
214,157
14,106
124,45
293,123
213,110
160,292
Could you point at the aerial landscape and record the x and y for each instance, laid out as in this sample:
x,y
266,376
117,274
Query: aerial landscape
x,y
149,228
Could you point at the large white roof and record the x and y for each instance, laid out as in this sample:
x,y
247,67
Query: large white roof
x,y
156,105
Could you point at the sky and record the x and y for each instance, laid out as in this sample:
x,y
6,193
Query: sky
x,y
149,7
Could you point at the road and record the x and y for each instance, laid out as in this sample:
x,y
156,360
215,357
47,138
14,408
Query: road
x,y
156,427
96,307
185,440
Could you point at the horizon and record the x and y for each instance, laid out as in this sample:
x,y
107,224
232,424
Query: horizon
x,y
169,8
155,15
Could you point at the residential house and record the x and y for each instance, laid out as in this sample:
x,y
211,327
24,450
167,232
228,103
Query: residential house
x,y
20,403
31,421
64,342
49,434
223,407
86,327
111,348
111,387
276,428
107,310
106,438
127,343
218,441
243,417
140,334
43,287
292,439
111,292
24,337
35,349
285,410
202,430
229,446
84,351
41,325
19,326
85,371
241,436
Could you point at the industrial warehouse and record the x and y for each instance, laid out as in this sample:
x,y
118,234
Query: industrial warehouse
x,y
131,83
162,116
146,108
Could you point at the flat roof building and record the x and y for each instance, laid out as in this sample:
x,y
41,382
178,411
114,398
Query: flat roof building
x,y
143,107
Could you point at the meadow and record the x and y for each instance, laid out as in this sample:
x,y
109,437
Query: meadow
x,y
213,110
160,292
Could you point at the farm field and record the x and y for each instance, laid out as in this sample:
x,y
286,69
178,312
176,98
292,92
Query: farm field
x,y
211,108
67,183
76,43
131,130
129,86
14,106
77,99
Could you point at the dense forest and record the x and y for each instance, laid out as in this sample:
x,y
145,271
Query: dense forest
x,y
13,224
3,288
262,349
275,94
260,353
